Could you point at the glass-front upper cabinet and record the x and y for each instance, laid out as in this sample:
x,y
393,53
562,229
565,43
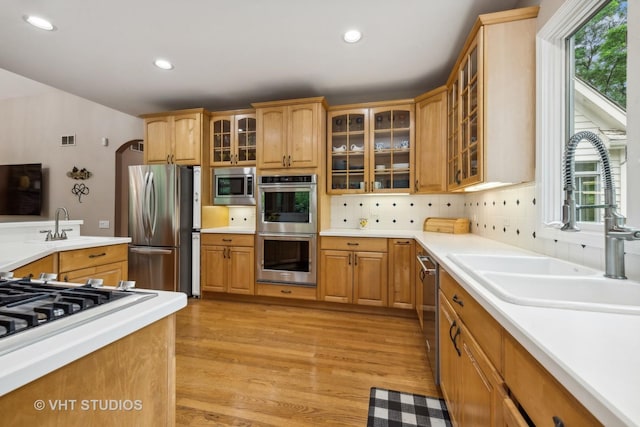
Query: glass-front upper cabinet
x,y
392,141
465,147
348,139
371,149
233,138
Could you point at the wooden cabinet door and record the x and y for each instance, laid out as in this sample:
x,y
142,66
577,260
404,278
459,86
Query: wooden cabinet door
x,y
213,267
222,141
431,141
302,138
33,269
449,365
241,276
401,275
336,276
370,280
158,140
111,274
476,404
187,139
272,137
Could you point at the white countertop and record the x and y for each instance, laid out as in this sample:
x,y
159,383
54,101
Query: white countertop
x,y
230,230
593,355
18,254
28,363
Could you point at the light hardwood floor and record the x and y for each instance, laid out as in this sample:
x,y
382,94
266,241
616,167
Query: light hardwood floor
x,y
248,364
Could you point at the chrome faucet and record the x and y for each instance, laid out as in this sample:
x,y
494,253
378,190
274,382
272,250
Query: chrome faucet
x,y
57,235
615,231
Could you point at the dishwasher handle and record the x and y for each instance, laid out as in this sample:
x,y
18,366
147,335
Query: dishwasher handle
x,y
425,270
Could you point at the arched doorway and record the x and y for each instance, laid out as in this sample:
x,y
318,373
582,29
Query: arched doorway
x,y
130,153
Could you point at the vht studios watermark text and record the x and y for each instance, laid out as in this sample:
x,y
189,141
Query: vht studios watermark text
x,y
88,405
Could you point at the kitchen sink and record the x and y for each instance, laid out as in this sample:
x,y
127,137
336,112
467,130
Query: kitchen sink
x,y
549,282
521,264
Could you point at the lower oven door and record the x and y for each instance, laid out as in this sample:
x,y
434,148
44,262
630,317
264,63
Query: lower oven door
x,y
286,258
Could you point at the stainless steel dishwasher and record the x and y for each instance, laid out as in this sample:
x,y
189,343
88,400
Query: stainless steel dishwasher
x,y
429,277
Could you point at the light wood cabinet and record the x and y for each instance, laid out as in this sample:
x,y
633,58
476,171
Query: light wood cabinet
x,y
471,385
402,255
480,361
290,134
354,270
227,263
370,148
431,142
545,400
233,138
178,137
109,263
491,102
48,264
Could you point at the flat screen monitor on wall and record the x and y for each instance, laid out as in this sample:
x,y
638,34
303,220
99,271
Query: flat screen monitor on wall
x,y
21,189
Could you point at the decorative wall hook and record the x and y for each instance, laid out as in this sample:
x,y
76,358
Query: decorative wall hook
x,y
80,190
79,173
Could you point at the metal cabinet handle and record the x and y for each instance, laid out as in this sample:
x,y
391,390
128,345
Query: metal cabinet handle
x,y
457,179
97,255
285,291
557,421
289,161
352,243
417,186
349,259
227,240
283,161
454,337
168,159
404,242
65,278
355,257
457,300
422,275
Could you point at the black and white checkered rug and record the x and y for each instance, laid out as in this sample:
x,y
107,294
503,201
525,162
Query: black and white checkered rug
x,y
388,408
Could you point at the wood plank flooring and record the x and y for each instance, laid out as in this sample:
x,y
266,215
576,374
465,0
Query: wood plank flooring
x,y
248,364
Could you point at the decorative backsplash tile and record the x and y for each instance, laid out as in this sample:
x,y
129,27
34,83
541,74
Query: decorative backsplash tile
x,y
397,211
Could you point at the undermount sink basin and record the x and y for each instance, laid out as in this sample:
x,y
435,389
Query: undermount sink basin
x,y
549,282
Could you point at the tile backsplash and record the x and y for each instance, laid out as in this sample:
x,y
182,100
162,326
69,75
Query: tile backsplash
x,y
242,216
393,211
507,215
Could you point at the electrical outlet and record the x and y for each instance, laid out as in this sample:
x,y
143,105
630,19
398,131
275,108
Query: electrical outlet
x,y
103,223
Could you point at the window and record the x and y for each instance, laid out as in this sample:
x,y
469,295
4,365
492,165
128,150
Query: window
x,y
569,101
597,99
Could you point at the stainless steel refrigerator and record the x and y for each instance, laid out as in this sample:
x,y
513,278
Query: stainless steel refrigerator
x,y
161,226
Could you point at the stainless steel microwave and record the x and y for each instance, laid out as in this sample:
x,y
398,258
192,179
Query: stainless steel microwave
x,y
234,186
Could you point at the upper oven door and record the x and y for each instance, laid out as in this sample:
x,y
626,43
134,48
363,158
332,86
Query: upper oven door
x,y
287,208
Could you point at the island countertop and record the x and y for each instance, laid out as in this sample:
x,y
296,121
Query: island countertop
x,y
44,356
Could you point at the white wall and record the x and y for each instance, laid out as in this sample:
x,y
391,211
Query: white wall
x,y
31,131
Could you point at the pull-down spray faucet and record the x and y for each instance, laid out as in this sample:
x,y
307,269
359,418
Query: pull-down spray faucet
x,y
615,231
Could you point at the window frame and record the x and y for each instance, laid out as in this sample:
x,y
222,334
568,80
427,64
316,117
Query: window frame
x,y
552,93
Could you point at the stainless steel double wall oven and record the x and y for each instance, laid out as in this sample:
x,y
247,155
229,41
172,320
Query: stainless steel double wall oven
x,y
287,229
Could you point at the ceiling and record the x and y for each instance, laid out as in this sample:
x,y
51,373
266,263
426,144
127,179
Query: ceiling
x,y
229,53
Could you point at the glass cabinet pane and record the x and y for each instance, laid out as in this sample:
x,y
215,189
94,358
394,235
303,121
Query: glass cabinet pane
x,y
356,122
382,120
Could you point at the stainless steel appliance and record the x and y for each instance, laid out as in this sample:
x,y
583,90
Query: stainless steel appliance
x,y
161,206
234,186
287,229
31,310
429,271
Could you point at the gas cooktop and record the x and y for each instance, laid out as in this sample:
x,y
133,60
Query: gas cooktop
x,y
31,310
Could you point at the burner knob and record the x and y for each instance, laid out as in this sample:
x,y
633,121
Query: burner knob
x,y
124,285
94,283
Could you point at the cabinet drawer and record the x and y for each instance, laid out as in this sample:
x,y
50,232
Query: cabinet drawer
x,y
373,244
33,269
283,291
90,257
111,274
227,239
541,396
484,328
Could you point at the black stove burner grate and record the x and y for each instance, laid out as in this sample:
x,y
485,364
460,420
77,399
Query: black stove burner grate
x,y
25,303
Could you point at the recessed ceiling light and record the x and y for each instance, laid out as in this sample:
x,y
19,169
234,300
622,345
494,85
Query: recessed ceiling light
x,y
352,36
41,23
163,63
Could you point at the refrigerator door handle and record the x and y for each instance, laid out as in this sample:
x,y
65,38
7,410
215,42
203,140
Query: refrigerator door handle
x,y
153,209
150,251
